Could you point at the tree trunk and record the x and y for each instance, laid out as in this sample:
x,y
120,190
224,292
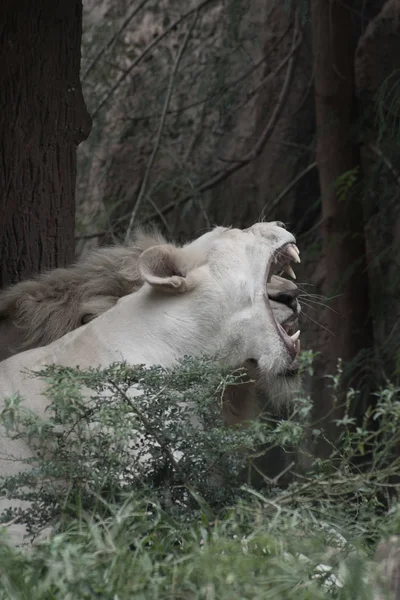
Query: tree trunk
x,y
42,120
337,153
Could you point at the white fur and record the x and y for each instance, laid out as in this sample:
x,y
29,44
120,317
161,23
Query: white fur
x,y
208,297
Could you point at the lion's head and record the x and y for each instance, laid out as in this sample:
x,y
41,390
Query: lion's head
x,y
240,265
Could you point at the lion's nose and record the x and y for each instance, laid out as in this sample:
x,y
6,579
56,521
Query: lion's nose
x,y
280,224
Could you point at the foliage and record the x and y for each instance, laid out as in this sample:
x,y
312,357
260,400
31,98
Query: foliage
x,y
387,107
156,504
345,183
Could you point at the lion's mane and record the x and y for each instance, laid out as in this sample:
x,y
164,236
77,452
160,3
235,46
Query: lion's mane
x,y
36,312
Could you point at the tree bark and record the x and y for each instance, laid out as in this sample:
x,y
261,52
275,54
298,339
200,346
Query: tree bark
x,y
42,120
338,152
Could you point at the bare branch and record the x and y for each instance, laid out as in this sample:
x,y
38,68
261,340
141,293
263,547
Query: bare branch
x,y
378,152
114,37
91,236
270,207
152,431
195,135
262,140
149,47
168,94
159,213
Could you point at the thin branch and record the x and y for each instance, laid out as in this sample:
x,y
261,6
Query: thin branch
x,y
149,47
161,216
149,428
91,236
263,81
254,91
260,144
195,135
114,37
270,207
168,94
316,225
12,522
153,432
378,152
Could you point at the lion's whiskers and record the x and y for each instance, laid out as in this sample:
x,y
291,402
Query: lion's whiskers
x,y
307,317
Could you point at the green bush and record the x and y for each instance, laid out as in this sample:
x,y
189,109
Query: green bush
x,y
148,496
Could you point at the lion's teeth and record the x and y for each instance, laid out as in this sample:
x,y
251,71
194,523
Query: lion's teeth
x,y
295,336
289,271
297,346
293,252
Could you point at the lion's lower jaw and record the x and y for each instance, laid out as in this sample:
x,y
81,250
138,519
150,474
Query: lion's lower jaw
x,y
281,381
277,362
282,389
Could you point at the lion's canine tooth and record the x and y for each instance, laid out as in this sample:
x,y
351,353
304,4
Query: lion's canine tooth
x,y
293,252
297,346
295,336
289,271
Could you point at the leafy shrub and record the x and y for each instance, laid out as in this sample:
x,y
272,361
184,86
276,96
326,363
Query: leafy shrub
x,y
148,500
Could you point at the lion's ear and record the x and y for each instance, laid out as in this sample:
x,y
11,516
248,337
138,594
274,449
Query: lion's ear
x,y
160,266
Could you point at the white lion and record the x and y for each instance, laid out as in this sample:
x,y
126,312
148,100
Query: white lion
x,y
209,297
38,311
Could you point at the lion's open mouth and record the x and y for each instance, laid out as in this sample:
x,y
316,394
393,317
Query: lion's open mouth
x,y
280,265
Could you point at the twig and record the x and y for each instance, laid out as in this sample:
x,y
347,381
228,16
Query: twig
x,y
90,236
149,47
195,136
316,225
161,216
287,189
269,480
258,147
386,161
114,37
264,81
160,128
150,429
256,90
9,523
